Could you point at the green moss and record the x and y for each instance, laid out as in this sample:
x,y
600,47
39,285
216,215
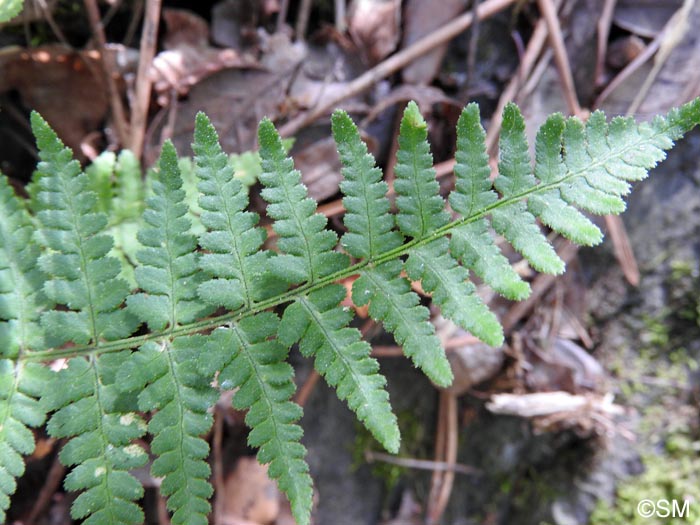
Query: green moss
x,y
413,441
673,476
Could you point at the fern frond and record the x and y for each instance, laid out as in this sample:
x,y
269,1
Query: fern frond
x,y
166,372
252,361
342,357
90,410
306,246
233,240
168,273
82,276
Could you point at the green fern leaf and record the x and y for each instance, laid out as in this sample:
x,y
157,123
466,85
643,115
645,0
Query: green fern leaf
x,y
21,280
21,303
166,373
342,357
515,178
168,271
168,381
82,276
549,206
21,384
10,9
472,243
233,242
367,218
421,209
255,364
392,302
440,274
89,409
306,246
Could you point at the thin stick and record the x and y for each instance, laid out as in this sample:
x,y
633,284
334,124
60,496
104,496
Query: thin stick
x,y
448,410
147,51
302,19
421,464
303,394
340,22
533,50
51,485
603,33
108,70
549,13
282,15
218,466
394,63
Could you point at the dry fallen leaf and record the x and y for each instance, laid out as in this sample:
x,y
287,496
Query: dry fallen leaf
x,y
374,26
44,75
249,495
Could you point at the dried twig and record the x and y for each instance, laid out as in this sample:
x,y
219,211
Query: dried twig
x,y
533,50
218,466
303,394
421,464
139,111
51,485
302,19
604,24
109,72
556,40
442,482
394,63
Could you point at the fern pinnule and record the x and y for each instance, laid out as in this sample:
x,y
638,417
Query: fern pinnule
x,y
235,259
392,302
166,372
21,384
81,275
21,280
89,409
343,358
306,246
21,303
421,210
255,363
367,217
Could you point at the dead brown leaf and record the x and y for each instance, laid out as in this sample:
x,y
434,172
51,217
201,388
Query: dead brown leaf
x,y
250,497
375,26
422,18
62,84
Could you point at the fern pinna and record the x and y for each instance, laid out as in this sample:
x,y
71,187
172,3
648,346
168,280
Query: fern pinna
x,y
216,310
